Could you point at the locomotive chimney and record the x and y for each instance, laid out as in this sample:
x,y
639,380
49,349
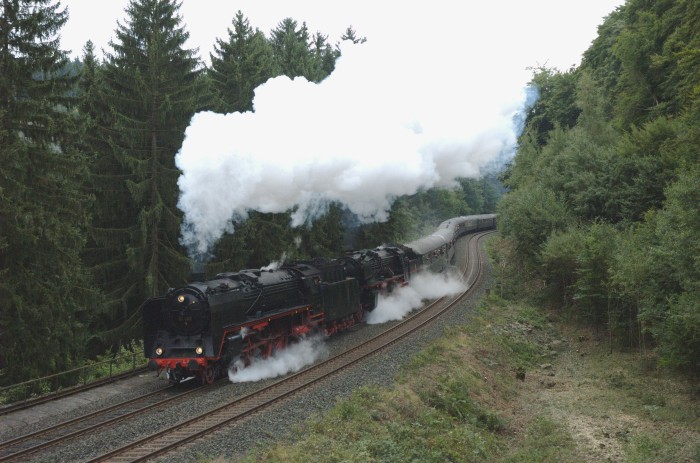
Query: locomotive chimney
x,y
198,273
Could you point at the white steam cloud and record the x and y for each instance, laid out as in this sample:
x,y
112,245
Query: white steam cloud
x,y
289,360
424,286
394,117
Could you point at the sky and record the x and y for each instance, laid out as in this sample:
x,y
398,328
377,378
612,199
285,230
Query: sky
x,y
437,93
552,32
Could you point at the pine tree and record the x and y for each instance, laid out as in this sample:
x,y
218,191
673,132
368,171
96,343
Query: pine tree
x,y
109,232
293,54
43,214
239,65
324,57
153,87
351,35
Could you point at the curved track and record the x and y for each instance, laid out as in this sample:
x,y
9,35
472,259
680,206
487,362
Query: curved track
x,y
168,439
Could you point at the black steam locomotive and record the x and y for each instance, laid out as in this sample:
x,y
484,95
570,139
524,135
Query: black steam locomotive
x,y
199,329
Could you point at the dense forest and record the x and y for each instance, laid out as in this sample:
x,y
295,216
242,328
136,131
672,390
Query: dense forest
x,y
604,201
88,183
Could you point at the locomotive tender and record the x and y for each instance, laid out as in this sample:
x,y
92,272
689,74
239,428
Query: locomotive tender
x,y
202,328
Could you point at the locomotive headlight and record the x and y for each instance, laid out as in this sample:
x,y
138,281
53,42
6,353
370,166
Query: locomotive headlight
x,y
199,350
159,351
181,298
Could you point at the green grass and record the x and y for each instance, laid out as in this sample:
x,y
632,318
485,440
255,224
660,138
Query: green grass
x,y
106,365
544,441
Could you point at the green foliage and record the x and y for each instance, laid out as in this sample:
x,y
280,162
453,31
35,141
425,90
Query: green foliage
x,y
677,232
452,396
44,209
646,164
103,366
324,237
268,238
624,171
152,87
529,216
545,441
296,54
600,59
126,358
591,289
556,105
559,259
239,65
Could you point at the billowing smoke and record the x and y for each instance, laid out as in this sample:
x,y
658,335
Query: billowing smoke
x,y
424,286
289,360
391,119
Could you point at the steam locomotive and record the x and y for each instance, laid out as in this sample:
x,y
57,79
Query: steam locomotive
x,y
201,329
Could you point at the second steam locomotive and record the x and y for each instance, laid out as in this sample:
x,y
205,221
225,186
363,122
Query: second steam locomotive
x,y
202,328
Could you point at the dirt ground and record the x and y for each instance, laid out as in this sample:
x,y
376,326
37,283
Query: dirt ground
x,y
615,407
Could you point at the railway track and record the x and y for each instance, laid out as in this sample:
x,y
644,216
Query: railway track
x,y
20,448
164,441
28,403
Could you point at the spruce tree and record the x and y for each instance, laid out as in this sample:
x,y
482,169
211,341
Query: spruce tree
x,y
324,57
239,65
108,232
291,45
43,288
351,35
152,85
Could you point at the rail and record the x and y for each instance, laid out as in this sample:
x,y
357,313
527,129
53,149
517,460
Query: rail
x,y
16,395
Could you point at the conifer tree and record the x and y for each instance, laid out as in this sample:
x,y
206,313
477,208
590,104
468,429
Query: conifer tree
x,y
43,285
239,65
297,53
324,57
351,35
291,45
108,232
153,87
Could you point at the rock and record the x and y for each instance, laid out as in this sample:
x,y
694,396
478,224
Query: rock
x,y
556,345
546,366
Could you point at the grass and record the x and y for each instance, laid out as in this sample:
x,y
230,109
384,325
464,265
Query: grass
x,y
106,365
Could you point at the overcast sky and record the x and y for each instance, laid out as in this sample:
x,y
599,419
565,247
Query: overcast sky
x,y
554,32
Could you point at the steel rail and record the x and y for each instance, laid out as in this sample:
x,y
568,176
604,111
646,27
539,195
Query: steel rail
x,y
54,435
67,392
